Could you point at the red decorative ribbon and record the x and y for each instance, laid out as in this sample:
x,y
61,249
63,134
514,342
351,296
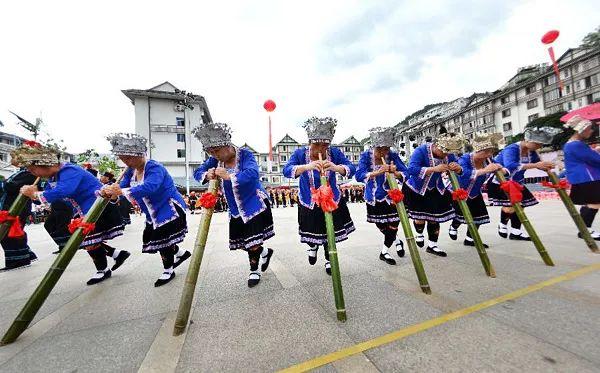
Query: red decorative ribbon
x,y
207,200
513,189
459,195
323,197
31,143
395,195
79,223
563,184
15,224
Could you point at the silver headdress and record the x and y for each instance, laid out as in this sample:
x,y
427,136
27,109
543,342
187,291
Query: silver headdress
x,y
31,153
383,136
450,142
541,135
578,123
212,135
483,141
128,144
320,129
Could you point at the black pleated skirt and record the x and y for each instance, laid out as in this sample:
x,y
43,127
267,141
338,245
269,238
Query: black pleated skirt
x,y
478,210
382,212
166,235
254,232
498,197
109,225
432,206
586,193
311,224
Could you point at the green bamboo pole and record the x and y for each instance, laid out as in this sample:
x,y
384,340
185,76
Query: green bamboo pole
x,y
15,210
333,258
585,233
528,227
485,260
41,293
410,238
189,287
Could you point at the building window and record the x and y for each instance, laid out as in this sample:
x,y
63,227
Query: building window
x,y
532,117
569,105
274,169
568,89
505,113
529,90
275,179
180,122
283,158
552,95
181,137
507,126
532,103
504,100
180,153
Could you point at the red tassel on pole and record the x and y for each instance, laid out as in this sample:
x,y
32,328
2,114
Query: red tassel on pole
x,y
15,230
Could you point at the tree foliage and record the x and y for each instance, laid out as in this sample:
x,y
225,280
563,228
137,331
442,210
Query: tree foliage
x,y
592,40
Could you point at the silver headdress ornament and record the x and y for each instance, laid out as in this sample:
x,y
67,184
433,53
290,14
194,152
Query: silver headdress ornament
x,y
541,135
320,129
383,136
32,153
578,123
128,144
450,142
483,141
212,135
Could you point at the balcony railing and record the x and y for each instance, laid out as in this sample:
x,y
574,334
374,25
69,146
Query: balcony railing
x,y
167,128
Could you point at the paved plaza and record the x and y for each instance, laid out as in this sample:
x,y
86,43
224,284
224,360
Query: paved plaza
x,y
125,324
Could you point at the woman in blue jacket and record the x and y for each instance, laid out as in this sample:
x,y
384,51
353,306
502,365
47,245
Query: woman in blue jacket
x,y
72,183
250,219
380,208
516,159
427,197
582,165
305,164
147,183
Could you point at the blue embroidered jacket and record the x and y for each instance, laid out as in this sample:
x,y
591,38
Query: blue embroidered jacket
x,y
74,185
468,179
244,192
376,188
421,159
582,163
156,193
312,178
510,158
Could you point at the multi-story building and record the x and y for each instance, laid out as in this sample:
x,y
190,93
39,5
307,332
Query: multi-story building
x,y
8,142
165,115
532,93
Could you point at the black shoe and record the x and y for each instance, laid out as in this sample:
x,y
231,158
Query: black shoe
x,y
437,252
472,243
594,235
181,259
503,234
253,279
453,233
400,251
15,266
121,258
267,260
32,257
313,259
420,243
161,282
93,281
387,258
328,268
519,237
56,252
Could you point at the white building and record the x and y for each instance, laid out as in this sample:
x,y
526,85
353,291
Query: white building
x,y
166,115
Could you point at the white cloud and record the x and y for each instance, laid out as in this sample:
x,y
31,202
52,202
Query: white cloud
x,y
365,63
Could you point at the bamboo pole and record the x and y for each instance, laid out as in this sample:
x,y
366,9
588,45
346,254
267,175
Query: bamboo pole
x,y
15,210
410,238
585,233
333,259
56,270
485,260
189,287
528,227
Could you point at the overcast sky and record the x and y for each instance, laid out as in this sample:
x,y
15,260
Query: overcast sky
x,y
367,63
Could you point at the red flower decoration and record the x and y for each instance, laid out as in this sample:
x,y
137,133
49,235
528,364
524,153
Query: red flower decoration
x,y
513,190
323,197
79,223
269,105
562,184
207,200
459,195
395,195
33,144
15,224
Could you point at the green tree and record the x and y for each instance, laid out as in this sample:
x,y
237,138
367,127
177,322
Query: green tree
x,y
87,155
107,164
592,40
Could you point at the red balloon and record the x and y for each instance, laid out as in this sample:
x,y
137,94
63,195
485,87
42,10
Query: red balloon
x,y
269,105
550,36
